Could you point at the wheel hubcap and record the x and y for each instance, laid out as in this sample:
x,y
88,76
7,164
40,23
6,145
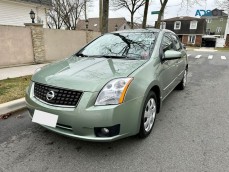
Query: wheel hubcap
x,y
149,115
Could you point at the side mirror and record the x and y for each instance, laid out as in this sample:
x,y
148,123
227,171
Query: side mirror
x,y
171,55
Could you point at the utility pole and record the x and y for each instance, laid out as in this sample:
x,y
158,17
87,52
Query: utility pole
x,y
100,14
105,11
85,9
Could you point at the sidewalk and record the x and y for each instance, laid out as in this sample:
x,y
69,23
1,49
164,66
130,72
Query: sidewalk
x,y
13,72
207,49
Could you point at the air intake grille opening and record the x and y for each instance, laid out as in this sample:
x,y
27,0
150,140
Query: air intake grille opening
x,y
56,96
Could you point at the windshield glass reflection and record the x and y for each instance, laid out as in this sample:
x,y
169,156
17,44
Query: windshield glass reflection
x,y
121,45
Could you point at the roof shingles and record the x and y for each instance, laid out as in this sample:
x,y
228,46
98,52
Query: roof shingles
x,y
43,2
185,25
93,24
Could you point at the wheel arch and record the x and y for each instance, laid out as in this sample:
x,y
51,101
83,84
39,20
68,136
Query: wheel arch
x,y
155,87
156,90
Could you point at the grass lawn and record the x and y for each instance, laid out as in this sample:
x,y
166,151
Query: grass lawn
x,y
223,49
13,88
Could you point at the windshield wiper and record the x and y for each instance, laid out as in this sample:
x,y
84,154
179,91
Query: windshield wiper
x,y
116,57
111,56
81,55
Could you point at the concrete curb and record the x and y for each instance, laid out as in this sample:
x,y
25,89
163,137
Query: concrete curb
x,y
189,49
12,106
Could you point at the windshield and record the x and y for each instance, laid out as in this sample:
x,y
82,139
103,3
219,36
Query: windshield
x,y
136,45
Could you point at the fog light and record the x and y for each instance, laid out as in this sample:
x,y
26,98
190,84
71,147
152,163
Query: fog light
x,y
105,131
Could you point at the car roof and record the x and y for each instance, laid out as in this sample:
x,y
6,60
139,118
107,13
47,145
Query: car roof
x,y
142,30
137,30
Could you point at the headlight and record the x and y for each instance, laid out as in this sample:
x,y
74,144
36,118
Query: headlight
x,y
113,92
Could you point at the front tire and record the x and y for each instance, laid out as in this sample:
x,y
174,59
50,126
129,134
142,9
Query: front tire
x,y
182,84
148,115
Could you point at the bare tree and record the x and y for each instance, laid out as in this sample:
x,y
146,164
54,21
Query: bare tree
x,y
71,11
161,13
190,3
87,5
65,12
105,16
131,5
223,4
54,15
145,14
100,15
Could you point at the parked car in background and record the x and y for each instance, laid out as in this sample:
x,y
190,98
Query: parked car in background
x,y
112,88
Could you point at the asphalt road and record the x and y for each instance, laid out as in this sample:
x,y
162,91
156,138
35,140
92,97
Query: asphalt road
x,y
191,133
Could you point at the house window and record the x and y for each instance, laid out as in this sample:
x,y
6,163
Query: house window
x,y
193,24
221,19
177,25
163,25
218,29
124,27
192,39
209,20
208,31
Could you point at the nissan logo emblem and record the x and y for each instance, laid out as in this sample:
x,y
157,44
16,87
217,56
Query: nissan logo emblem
x,y
50,95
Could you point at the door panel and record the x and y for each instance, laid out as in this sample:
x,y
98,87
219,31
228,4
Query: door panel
x,y
169,67
168,76
180,64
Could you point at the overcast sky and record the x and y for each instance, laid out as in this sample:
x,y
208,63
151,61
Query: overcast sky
x,y
173,9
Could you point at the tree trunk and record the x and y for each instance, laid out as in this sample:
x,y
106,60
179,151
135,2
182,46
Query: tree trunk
x,y
158,23
132,21
145,14
100,15
105,16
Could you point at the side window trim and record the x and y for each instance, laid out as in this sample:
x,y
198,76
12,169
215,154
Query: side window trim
x,y
168,34
177,39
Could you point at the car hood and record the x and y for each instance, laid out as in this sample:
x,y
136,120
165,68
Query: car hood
x,y
85,74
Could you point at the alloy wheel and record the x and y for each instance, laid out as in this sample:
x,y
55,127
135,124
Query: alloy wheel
x,y
149,115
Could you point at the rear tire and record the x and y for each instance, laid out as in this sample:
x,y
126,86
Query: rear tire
x,y
148,115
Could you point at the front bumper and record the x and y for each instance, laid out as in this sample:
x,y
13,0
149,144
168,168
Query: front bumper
x,y
80,122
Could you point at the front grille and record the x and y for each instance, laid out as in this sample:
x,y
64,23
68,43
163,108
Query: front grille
x,y
59,96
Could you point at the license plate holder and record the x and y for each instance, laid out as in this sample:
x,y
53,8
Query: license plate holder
x,y
45,118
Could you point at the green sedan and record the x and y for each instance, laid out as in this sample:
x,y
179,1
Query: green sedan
x,y
112,88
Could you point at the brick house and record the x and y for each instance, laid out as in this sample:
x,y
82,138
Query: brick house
x,y
190,30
